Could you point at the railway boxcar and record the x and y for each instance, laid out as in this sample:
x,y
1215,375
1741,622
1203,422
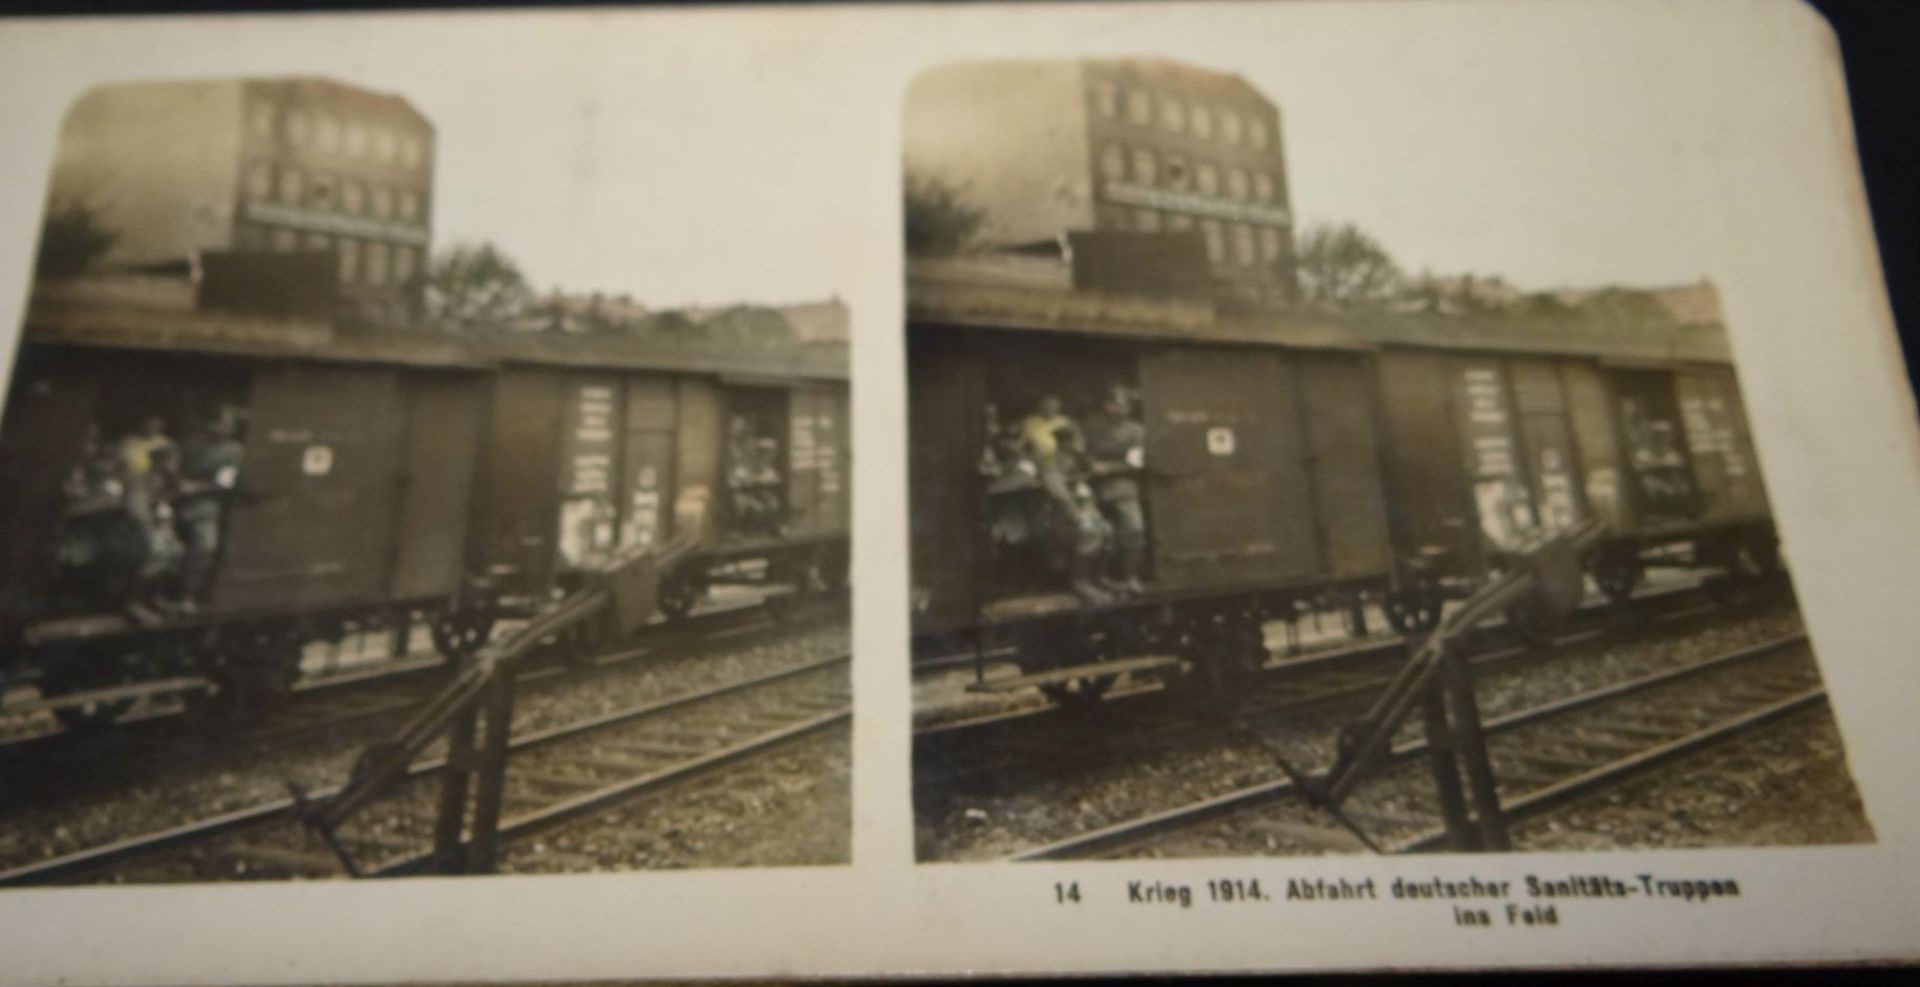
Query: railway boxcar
x,y
1495,437
1261,480
731,467
346,503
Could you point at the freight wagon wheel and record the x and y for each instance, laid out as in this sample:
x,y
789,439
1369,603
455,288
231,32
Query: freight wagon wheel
x,y
1227,657
66,678
250,676
678,595
1413,611
459,633
1617,576
1080,691
834,563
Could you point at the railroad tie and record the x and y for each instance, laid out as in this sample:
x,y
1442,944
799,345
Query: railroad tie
x,y
1527,779
563,781
1558,761
303,862
1311,834
1607,744
1639,729
614,762
677,751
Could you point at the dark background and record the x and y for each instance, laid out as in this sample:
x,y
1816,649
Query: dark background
x,y
1880,41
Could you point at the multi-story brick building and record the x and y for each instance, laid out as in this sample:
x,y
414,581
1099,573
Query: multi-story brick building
x,y
175,169
1112,145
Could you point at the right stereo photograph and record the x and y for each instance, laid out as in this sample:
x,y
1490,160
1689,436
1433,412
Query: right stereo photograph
x,y
1239,535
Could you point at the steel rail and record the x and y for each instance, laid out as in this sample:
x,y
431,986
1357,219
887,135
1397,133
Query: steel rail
x,y
975,732
1553,796
94,858
1109,838
539,820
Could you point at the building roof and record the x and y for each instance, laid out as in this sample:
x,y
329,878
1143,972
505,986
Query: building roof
x,y
1185,77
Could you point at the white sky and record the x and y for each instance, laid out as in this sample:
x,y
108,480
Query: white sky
x,y
686,159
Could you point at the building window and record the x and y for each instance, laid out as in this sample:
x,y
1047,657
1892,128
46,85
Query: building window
x,y
409,205
260,181
1179,175
1270,243
1243,245
1173,114
297,128
326,134
1216,241
1179,222
1237,184
381,202
1207,178
353,198
1113,163
383,147
263,122
349,261
1263,186
292,186
402,264
1140,106
285,241
320,192
355,140
249,237
1146,168
1147,221
1110,218
1106,99
1230,126
410,153
317,243
376,262
1257,133
1201,120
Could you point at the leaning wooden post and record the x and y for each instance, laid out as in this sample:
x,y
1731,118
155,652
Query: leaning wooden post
x,y
493,773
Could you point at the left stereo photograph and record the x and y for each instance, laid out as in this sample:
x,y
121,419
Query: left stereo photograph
x,y
337,539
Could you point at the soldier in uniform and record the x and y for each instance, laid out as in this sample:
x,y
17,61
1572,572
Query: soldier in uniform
x,y
209,472
1116,450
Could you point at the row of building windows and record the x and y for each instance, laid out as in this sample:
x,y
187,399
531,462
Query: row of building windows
x,y
1143,107
329,135
371,262
351,196
1242,244
1144,166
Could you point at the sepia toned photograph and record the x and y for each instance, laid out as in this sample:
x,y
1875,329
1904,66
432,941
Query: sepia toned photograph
x,y
1252,515
372,505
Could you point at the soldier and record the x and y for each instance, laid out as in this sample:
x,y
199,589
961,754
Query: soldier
x,y
1116,448
209,472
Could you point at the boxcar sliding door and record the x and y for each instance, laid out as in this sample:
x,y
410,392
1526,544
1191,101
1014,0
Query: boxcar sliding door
x,y
442,441
1546,439
312,519
647,469
1227,496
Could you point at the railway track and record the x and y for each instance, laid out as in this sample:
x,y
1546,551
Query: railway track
x,y
379,691
1545,756
1051,739
553,776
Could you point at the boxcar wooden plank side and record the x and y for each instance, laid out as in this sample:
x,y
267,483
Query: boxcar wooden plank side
x,y
946,434
436,496
312,523
1345,465
1428,506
